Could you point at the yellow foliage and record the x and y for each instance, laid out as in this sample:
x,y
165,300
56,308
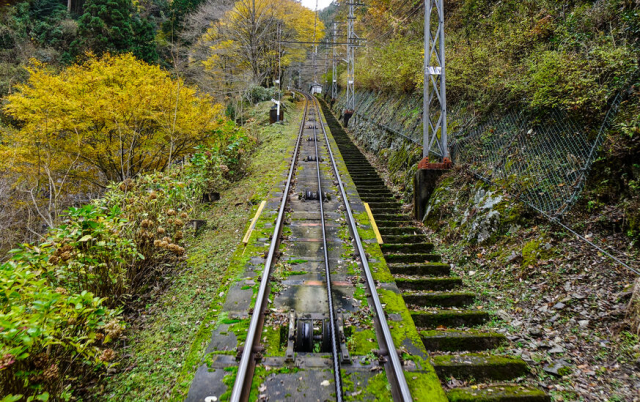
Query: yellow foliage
x,y
246,39
105,120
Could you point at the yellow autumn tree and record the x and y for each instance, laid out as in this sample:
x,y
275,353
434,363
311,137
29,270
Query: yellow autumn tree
x,y
246,40
108,119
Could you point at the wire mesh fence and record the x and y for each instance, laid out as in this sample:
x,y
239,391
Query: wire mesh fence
x,y
401,117
544,160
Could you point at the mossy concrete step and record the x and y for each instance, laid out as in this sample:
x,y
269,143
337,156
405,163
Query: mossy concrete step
x,y
435,284
375,198
377,193
383,211
393,224
369,181
355,167
399,231
385,223
440,299
363,173
386,205
363,188
412,258
498,393
413,238
449,318
407,248
364,178
456,341
369,186
479,367
389,200
384,208
428,269
389,216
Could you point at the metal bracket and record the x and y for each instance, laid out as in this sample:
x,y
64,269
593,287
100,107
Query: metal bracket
x,y
344,351
425,164
290,354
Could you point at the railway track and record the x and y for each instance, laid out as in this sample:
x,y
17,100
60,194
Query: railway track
x,y
314,317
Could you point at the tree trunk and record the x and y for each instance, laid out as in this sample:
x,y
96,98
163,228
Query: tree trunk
x,y
633,311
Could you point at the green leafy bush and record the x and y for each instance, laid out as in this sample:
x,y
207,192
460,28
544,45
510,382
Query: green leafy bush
x,y
46,330
88,253
215,167
258,93
60,300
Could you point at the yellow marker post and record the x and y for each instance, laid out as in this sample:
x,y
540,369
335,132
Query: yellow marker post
x,y
373,223
245,240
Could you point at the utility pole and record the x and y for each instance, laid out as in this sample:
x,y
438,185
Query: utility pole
x,y
435,100
315,48
352,44
435,90
326,71
334,73
279,75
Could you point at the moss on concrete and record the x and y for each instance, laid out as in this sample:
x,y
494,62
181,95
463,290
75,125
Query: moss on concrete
x,y
479,366
271,338
497,393
362,342
405,329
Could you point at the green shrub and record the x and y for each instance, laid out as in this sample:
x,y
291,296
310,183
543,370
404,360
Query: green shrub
x,y
88,253
45,331
215,167
258,93
60,300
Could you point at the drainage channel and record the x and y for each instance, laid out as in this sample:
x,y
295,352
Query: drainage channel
x,y
439,306
306,319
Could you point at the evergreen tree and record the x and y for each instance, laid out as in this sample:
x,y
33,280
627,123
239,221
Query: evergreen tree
x,y
177,12
144,45
105,27
109,26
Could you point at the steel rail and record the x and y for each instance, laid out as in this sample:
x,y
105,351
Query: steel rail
x,y
327,270
239,388
398,373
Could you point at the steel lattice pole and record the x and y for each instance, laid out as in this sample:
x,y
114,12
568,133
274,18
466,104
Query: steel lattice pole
x,y
435,91
350,104
334,78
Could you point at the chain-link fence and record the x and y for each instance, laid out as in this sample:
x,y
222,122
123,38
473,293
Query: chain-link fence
x,y
542,160
401,116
